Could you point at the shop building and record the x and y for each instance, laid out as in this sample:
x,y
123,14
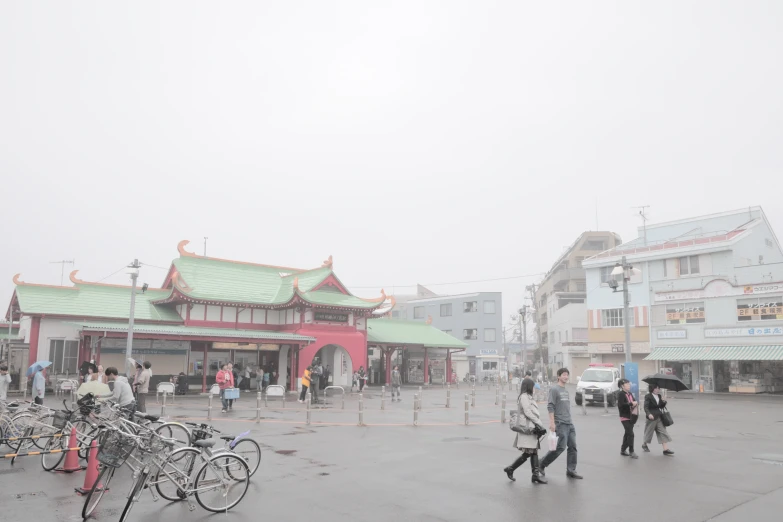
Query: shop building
x,y
715,287
208,311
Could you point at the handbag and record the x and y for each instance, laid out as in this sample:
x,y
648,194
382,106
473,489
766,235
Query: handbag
x,y
516,417
666,418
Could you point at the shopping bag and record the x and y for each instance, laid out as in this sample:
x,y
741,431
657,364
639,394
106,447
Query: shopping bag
x,y
552,441
666,418
231,393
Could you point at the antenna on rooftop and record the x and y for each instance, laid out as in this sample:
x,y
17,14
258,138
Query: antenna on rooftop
x,y
643,214
62,270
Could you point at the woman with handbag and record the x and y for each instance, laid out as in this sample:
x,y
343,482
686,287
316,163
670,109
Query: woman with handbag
x,y
529,431
657,419
629,414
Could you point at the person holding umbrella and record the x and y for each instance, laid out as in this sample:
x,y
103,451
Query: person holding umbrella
x,y
653,404
39,381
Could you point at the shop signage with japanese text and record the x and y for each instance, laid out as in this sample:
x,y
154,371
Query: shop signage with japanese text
x,y
720,288
743,332
332,318
672,334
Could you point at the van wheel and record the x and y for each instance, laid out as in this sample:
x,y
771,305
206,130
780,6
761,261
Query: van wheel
x,y
578,401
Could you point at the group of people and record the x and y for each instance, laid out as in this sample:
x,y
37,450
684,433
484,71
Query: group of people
x,y
314,378
561,424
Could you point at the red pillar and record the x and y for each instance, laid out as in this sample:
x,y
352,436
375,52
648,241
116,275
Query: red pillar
x,y
426,366
294,367
35,330
387,352
448,365
204,371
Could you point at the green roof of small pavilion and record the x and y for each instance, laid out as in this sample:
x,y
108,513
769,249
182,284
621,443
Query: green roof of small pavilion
x,y
396,332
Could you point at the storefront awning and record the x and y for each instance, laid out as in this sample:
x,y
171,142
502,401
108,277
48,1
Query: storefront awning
x,y
717,353
180,331
397,332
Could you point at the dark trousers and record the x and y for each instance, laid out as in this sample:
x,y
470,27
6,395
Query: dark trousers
x,y
38,400
304,393
141,402
628,436
566,437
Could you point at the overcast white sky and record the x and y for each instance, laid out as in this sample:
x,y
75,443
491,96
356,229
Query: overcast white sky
x,y
415,142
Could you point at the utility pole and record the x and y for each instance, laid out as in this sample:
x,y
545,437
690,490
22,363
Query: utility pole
x,y
523,335
205,246
532,290
62,268
626,270
134,275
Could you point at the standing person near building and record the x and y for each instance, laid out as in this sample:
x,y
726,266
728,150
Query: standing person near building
x,y
224,380
528,444
39,386
101,375
305,383
143,388
122,392
653,404
267,377
260,378
355,381
559,408
629,413
5,382
327,374
396,383
315,379
362,378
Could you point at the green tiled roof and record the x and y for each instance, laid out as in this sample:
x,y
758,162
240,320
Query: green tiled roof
x,y
93,300
717,353
390,331
233,282
167,329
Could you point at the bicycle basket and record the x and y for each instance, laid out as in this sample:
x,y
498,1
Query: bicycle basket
x,y
115,448
199,434
60,419
151,447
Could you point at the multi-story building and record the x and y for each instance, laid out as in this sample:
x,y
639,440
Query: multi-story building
x,y
477,319
707,305
561,313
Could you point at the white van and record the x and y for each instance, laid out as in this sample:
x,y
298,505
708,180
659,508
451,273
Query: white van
x,y
596,379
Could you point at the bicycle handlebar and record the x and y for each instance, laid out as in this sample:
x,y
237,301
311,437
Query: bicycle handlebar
x,y
206,427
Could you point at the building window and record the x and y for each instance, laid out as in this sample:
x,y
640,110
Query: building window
x,y
63,355
418,312
665,270
470,334
489,335
579,260
447,332
606,274
760,309
566,332
594,245
685,313
489,365
613,318
689,265
579,334
470,306
445,310
559,337
551,337
489,307
581,286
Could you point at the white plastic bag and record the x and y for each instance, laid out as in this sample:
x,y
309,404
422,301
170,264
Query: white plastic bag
x,y
552,441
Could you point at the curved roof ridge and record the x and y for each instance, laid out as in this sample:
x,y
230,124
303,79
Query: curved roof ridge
x,y
184,253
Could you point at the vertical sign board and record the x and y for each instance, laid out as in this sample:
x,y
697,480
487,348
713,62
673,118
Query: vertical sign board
x,y
631,372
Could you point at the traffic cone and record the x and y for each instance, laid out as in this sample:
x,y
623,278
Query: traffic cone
x,y
72,457
92,470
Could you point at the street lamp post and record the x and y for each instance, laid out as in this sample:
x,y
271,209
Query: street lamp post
x,y
134,275
626,271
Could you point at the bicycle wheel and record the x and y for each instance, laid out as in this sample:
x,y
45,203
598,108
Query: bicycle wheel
x,y
217,487
49,461
250,451
134,496
175,430
172,484
85,432
95,494
42,426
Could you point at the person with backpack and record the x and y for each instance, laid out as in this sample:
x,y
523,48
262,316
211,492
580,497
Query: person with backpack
x,y
225,380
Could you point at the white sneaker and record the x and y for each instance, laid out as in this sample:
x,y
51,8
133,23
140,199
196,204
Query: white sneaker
x,y
224,410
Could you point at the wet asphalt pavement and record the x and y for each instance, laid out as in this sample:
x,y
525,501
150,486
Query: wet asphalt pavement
x,y
728,466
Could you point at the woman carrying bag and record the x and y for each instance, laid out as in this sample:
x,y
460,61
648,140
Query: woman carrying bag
x,y
528,419
629,414
655,410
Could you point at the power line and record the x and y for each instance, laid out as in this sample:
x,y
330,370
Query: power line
x,y
453,283
154,266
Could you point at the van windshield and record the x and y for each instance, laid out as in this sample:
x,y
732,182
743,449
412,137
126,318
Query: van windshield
x,y
597,376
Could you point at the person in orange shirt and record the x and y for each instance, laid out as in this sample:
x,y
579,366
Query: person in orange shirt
x,y
224,380
305,383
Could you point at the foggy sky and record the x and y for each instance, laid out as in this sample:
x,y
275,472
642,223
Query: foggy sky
x,y
422,142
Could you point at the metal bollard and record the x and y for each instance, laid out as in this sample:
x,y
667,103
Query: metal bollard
x,y
584,405
503,410
209,408
265,401
361,409
606,401
448,396
343,397
308,400
258,407
415,411
509,385
497,395
284,393
473,398
383,397
467,411
163,406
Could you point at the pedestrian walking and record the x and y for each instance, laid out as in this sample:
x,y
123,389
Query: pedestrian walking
x,y
653,404
260,378
39,386
396,382
5,381
224,380
559,408
629,414
267,376
143,388
305,383
362,379
355,381
528,444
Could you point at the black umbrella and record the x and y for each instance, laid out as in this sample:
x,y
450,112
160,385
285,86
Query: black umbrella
x,y
666,382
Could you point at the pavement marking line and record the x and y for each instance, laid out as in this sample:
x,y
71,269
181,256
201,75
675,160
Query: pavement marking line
x,y
274,421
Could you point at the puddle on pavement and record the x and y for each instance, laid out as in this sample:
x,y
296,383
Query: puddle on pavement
x,y
285,452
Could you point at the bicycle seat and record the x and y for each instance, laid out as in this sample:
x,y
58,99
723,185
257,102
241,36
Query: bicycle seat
x,y
204,443
153,418
227,437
